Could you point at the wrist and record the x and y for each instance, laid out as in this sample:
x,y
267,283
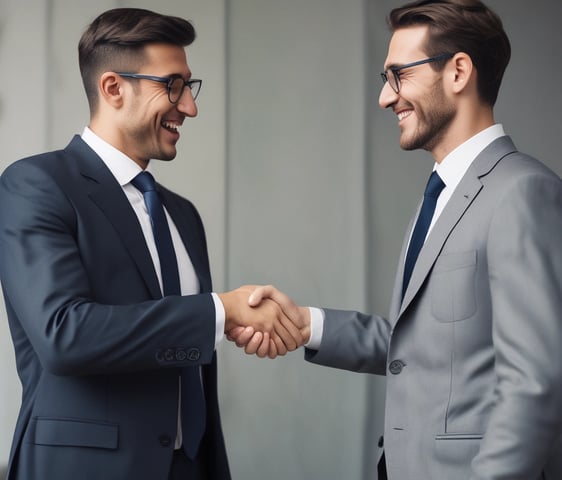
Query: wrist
x,y
305,329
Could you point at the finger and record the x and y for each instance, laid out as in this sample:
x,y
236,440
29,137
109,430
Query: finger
x,y
272,350
293,331
263,349
234,333
278,352
244,336
289,340
289,307
279,344
260,293
253,344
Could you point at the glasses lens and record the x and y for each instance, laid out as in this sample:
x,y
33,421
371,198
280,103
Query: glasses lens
x,y
195,86
175,89
394,80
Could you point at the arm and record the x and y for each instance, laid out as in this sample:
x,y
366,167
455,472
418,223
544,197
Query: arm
x,y
525,262
350,340
74,320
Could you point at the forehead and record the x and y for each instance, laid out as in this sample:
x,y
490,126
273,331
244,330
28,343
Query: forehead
x,y
165,59
406,45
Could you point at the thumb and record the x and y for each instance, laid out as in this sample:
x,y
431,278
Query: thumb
x,y
259,294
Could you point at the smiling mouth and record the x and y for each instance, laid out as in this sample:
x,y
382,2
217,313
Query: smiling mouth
x,y
171,126
404,114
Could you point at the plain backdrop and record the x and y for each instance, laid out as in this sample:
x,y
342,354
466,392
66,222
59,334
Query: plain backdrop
x,y
299,179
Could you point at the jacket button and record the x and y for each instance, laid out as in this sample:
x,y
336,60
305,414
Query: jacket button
x,y
396,367
165,440
194,354
381,442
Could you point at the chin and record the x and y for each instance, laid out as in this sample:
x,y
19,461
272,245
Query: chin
x,y
408,144
167,156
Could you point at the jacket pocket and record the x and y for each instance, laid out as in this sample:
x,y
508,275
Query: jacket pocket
x,y
72,432
453,286
457,448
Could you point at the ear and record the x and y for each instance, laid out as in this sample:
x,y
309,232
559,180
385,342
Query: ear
x,y
462,72
111,89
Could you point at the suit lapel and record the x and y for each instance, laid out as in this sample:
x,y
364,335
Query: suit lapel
x,y
463,196
108,195
189,231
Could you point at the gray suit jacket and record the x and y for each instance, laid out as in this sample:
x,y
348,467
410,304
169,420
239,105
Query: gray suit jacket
x,y
473,355
98,351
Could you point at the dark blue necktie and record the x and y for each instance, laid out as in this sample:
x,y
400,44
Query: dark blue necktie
x,y
434,187
193,403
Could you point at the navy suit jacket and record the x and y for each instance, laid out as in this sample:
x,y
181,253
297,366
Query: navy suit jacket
x,y
98,351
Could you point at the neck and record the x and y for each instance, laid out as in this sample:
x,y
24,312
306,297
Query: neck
x,y
463,128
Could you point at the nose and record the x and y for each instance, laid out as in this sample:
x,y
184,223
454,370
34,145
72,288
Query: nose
x,y
388,96
186,104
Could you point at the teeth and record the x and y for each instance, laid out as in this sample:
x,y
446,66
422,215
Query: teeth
x,y
171,126
403,115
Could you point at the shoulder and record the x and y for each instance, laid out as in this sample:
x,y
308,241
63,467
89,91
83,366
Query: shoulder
x,y
47,163
33,170
517,172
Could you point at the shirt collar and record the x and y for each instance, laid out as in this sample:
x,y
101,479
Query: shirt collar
x,y
123,168
454,166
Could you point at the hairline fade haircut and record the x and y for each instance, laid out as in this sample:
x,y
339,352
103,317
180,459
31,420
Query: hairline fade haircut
x,y
115,41
466,26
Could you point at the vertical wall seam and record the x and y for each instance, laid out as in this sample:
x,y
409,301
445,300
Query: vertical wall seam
x,y
49,61
227,149
372,408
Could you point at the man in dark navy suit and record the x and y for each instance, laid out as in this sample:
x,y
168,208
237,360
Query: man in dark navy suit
x,y
118,372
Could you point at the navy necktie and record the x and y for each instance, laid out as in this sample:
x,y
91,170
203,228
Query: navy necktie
x,y
434,187
193,403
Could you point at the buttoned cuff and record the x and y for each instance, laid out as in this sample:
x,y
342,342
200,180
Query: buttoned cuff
x,y
316,328
220,318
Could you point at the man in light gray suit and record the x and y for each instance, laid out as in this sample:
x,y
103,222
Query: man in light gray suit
x,y
472,346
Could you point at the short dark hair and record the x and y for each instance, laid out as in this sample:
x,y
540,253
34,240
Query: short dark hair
x,y
115,41
466,26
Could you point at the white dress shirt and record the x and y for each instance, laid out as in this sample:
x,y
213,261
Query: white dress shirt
x,y
451,170
124,170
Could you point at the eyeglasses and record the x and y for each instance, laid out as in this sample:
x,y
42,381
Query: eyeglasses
x,y
174,83
392,74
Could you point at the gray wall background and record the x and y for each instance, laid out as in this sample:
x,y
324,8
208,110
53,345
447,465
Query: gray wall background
x,y
299,179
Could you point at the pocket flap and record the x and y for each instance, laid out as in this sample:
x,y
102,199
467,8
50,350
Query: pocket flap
x,y
454,261
78,433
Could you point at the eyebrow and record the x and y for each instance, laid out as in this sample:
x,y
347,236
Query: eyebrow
x,y
394,66
178,74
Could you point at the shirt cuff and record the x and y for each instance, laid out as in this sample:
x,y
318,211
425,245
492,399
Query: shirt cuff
x,y
316,328
220,317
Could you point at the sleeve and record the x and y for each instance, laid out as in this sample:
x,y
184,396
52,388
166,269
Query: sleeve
x,y
51,303
352,341
525,268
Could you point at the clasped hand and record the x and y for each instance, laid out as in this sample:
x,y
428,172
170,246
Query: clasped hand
x,y
265,321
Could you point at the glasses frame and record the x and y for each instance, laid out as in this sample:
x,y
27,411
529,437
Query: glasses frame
x,y
396,70
193,84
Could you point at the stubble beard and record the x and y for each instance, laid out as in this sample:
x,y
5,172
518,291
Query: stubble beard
x,y
433,122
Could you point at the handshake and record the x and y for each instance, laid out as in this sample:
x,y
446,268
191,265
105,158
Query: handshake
x,y
264,321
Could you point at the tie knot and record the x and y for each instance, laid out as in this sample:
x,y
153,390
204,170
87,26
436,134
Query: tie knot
x,y
434,185
144,182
